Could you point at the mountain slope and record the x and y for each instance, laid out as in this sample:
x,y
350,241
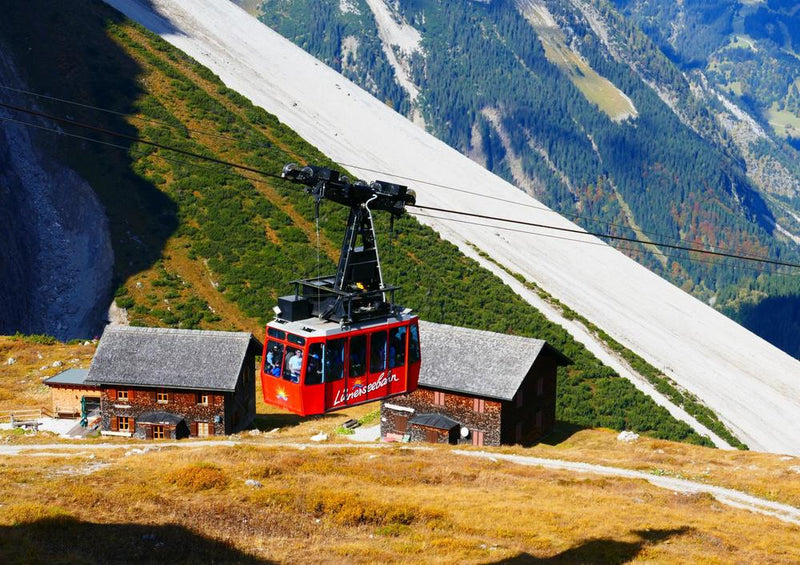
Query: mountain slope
x,y
199,245
572,103
753,386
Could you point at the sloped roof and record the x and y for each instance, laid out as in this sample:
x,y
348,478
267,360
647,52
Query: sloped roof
x,y
437,421
478,362
160,418
163,357
68,377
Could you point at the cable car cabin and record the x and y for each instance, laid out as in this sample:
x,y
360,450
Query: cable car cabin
x,y
341,340
314,366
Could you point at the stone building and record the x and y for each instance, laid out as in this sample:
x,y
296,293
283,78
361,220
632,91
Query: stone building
x,y
478,388
166,383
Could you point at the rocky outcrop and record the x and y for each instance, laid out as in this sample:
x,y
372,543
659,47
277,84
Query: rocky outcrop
x,y
56,257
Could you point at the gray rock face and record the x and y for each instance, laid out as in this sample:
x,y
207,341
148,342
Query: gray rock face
x,y
56,257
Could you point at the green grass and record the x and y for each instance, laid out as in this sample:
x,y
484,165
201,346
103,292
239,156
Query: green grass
x,y
663,384
784,123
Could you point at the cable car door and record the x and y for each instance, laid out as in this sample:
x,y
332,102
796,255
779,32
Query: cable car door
x,y
334,363
356,387
378,376
397,370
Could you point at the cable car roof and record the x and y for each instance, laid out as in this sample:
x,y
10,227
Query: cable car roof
x,y
319,327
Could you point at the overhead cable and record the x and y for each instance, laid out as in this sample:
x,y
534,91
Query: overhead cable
x,y
421,207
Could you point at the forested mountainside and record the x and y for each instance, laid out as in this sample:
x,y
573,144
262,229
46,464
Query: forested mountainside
x,y
198,245
576,105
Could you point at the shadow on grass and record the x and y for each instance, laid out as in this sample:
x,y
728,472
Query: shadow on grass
x,y
562,431
270,421
602,551
67,540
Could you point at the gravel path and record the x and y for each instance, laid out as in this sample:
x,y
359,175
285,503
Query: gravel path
x,y
729,497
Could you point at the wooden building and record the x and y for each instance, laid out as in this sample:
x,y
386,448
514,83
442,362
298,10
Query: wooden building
x,y
478,388
67,389
166,383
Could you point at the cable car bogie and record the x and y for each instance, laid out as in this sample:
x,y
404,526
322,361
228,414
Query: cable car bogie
x,y
340,340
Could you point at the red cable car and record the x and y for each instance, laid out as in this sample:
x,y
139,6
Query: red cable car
x,y
340,340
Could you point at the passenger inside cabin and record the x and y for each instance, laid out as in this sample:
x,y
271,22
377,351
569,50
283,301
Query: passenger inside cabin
x,y
295,364
287,364
358,353
397,347
377,352
272,365
314,367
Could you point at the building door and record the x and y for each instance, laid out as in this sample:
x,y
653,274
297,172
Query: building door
x,y
202,429
400,424
432,436
477,438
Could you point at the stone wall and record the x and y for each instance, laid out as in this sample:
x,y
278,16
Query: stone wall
x,y
180,402
460,408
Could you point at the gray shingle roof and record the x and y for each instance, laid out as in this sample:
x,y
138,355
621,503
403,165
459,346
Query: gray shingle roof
x,y
477,362
159,418
193,359
68,377
437,421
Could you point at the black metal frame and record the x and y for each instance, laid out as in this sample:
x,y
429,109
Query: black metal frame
x,y
356,292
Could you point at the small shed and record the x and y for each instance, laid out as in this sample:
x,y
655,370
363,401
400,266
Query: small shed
x,y
477,387
68,388
171,383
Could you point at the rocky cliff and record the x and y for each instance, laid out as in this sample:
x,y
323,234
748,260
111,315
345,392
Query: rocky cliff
x,y
55,252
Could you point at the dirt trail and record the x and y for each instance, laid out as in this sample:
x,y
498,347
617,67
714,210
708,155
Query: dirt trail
x,y
729,497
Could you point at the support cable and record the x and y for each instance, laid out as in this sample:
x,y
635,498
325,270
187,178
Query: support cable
x,y
420,207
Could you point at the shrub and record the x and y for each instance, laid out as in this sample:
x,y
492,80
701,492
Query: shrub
x,y
30,512
198,477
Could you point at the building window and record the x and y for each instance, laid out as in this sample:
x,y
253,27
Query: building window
x,y
202,399
438,398
158,432
122,395
377,352
123,423
479,405
162,397
202,429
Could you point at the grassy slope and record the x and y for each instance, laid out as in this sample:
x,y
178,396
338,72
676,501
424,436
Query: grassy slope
x,y
392,505
197,245
21,382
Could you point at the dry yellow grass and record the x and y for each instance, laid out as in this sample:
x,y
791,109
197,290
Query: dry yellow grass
x,y
338,503
21,382
770,476
362,506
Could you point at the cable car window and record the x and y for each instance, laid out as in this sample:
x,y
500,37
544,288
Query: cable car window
x,y
277,334
358,355
397,347
296,339
377,352
413,345
334,360
293,364
274,358
314,364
